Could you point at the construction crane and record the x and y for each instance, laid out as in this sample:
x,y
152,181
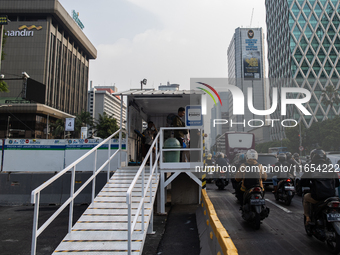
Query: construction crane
x,y
251,19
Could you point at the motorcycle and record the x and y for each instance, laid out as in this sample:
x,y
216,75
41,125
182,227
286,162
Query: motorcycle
x,y
222,181
254,209
285,191
325,223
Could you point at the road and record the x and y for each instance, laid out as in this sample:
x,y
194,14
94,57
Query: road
x,y
281,233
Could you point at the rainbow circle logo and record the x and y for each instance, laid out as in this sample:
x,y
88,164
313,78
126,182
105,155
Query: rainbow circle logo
x,y
209,93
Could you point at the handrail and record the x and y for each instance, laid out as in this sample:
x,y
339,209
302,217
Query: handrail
x,y
178,165
35,195
141,171
153,170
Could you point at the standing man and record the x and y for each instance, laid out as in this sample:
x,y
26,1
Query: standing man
x,y
180,134
149,134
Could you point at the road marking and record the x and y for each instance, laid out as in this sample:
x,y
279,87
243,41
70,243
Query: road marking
x,y
279,206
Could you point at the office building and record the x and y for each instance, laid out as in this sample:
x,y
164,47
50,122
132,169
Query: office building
x,y
246,68
303,46
48,44
100,100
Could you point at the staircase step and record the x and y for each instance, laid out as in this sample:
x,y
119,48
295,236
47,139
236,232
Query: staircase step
x,y
102,229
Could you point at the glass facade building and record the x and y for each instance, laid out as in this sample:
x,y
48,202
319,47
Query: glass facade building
x,y
303,45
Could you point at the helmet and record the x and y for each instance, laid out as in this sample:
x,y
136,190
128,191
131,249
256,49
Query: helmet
x,y
241,157
209,156
317,155
289,155
282,157
219,155
251,154
296,155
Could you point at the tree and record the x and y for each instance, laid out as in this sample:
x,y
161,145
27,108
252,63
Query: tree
x,y
58,128
3,84
82,120
3,87
330,96
105,126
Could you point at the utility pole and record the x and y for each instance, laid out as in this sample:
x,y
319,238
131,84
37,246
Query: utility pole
x,y
300,135
1,38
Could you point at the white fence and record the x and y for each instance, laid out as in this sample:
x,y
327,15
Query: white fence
x,y
40,155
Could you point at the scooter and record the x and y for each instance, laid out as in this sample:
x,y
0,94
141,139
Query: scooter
x,y
285,191
325,223
254,209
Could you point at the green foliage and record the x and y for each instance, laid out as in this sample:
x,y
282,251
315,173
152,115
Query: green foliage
x,y
3,44
330,96
105,126
3,87
324,135
82,120
3,84
58,128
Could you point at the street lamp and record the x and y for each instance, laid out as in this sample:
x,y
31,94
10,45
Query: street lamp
x,y
143,82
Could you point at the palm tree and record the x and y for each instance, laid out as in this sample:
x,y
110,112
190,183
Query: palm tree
x,y
82,120
105,126
330,96
58,128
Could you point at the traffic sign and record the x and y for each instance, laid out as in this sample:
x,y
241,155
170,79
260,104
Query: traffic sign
x,y
69,124
301,148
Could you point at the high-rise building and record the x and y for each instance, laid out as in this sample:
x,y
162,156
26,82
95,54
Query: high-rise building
x,y
246,68
303,46
47,43
101,99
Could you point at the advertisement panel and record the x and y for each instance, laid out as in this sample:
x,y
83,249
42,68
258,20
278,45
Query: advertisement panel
x,y
251,53
251,65
33,155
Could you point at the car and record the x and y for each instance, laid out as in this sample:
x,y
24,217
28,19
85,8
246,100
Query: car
x,y
268,160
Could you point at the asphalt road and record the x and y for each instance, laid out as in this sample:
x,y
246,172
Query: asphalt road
x,y
281,233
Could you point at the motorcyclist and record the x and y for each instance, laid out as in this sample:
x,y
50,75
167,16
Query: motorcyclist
x,y
222,164
236,185
210,161
280,166
296,157
220,160
250,173
322,183
291,161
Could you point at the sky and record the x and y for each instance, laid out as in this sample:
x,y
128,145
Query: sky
x,y
162,40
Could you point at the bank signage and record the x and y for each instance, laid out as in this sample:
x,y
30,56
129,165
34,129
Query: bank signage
x,y
24,31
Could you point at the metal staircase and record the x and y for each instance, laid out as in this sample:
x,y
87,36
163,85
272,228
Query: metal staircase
x,y
103,228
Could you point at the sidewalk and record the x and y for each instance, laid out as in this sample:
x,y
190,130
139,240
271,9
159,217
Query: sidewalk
x,y
175,234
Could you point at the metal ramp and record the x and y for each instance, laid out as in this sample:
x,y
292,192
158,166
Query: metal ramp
x,y
103,228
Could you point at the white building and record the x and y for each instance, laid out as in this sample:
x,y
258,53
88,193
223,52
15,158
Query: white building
x,y
246,68
100,100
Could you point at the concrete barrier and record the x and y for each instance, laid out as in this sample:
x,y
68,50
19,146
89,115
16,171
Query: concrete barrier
x,y
213,236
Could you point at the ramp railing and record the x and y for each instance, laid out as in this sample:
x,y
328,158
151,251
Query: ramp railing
x,y
141,172
35,195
